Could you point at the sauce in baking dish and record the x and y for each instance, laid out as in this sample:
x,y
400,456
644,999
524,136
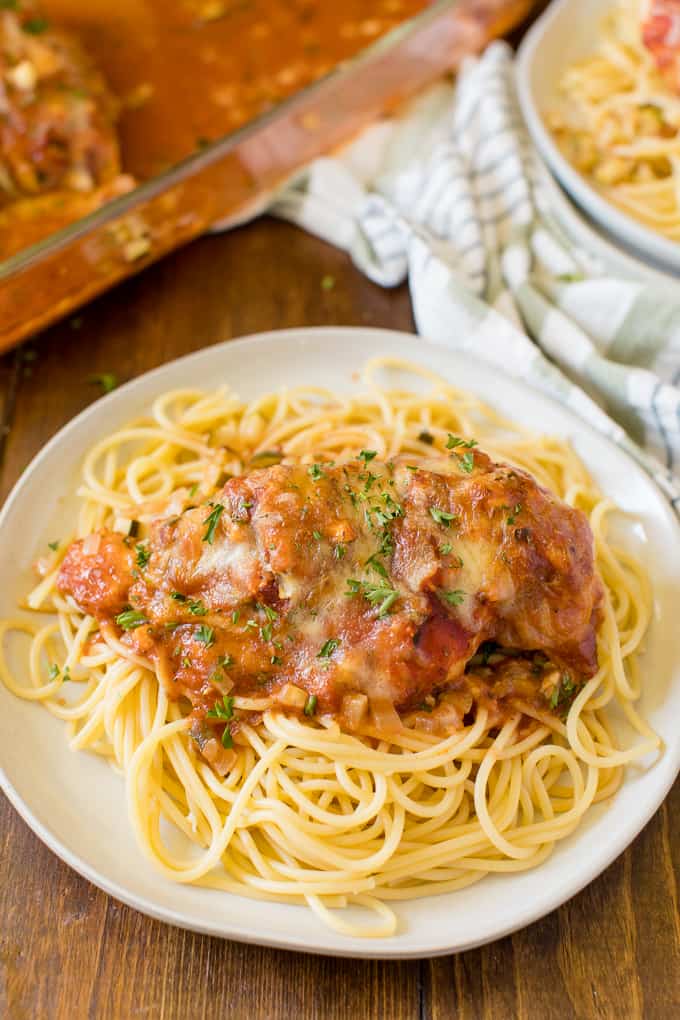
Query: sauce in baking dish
x,y
189,71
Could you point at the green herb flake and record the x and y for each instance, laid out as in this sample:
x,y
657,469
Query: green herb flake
x,y
197,608
513,516
193,490
227,739
454,441
310,705
426,437
382,596
223,709
317,535
53,545
177,596
315,473
225,661
327,282
212,520
107,380
205,634
129,619
367,455
442,517
445,549
234,616
266,632
36,26
452,598
143,556
339,552
467,462
53,671
270,613
328,648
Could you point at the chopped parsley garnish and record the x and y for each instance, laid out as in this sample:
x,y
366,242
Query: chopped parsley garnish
x,y
327,282
376,565
467,462
382,594
339,551
441,516
107,380
328,648
453,598
367,455
445,549
317,535
196,608
225,661
212,521
53,671
234,616
353,587
562,691
177,596
276,660
227,739
453,441
186,662
193,490
36,26
513,516
143,556
315,472
222,709
270,613
131,618
266,632
53,545
205,634
310,705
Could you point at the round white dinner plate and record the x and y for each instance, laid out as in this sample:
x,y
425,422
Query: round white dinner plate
x,y
564,34
75,802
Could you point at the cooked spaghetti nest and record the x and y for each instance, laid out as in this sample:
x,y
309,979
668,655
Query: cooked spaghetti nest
x,y
308,813
619,124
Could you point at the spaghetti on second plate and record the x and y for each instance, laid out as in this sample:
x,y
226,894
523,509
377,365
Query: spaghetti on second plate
x,y
619,121
302,798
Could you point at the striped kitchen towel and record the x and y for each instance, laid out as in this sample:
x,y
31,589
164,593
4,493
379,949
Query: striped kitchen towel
x,y
449,196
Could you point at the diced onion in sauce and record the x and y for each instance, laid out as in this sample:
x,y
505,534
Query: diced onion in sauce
x,y
385,716
354,708
92,543
221,758
292,696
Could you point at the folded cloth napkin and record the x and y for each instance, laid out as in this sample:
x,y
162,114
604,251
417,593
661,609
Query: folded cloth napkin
x,y
449,196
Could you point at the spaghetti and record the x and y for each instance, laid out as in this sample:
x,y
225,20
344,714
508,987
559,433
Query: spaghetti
x,y
308,813
619,123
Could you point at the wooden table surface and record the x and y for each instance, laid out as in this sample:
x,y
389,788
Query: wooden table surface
x,y
68,951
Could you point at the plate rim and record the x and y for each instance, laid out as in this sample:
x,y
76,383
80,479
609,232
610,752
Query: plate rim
x,y
623,228
299,943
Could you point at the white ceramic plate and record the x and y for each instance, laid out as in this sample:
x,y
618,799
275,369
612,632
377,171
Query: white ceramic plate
x,y
75,802
566,33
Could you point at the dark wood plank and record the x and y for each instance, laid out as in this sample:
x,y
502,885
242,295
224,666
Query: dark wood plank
x,y
66,950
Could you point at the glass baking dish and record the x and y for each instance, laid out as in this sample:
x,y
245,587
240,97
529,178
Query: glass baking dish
x,y
232,178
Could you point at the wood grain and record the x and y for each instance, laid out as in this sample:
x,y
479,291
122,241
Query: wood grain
x,y
67,951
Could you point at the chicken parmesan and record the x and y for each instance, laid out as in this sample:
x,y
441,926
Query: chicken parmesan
x,y
353,649
365,586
